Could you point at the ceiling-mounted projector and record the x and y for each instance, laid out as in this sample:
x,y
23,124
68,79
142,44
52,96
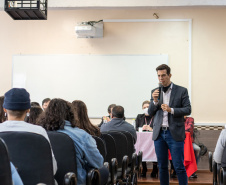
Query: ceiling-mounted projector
x,y
89,29
86,31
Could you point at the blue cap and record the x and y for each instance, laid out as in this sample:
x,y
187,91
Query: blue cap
x,y
17,99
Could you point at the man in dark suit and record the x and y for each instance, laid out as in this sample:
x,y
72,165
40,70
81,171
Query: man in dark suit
x,y
168,124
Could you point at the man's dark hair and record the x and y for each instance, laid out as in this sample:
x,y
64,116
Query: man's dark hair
x,y
118,111
162,67
45,100
145,102
111,106
35,104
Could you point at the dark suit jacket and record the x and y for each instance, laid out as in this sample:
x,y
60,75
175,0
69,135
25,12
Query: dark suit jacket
x,y
140,121
118,124
179,101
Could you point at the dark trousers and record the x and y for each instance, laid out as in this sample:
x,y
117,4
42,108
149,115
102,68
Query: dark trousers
x,y
162,144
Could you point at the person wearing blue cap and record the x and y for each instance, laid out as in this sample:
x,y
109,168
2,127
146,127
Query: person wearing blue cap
x,y
16,105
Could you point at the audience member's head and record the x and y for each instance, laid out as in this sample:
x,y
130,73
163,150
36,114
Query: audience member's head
x,y
35,104
84,123
145,106
118,112
45,103
110,107
35,112
2,113
17,103
56,114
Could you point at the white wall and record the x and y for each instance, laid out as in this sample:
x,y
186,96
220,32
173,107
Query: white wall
x,y
56,36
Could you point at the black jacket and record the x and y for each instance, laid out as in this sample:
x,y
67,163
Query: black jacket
x,y
140,121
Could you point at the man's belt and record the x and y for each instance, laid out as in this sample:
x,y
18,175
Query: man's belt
x,y
165,128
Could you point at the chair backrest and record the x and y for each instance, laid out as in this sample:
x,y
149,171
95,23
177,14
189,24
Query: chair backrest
x,y
223,159
131,148
5,171
64,152
110,146
31,155
121,144
101,146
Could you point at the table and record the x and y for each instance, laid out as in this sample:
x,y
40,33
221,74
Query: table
x,y
146,144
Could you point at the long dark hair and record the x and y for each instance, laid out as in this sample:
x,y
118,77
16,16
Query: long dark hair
x,y
84,123
55,115
2,113
35,112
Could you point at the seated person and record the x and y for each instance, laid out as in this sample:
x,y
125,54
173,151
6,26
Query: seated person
x,y
17,105
118,123
59,116
2,113
218,152
107,118
144,120
189,127
45,103
84,123
35,104
33,115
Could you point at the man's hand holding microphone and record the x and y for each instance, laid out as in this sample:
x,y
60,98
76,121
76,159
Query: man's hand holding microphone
x,y
156,96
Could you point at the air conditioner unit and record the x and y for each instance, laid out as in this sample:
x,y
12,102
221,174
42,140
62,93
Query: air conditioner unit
x,y
89,31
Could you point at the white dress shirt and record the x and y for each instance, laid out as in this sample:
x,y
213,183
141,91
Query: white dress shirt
x,y
166,100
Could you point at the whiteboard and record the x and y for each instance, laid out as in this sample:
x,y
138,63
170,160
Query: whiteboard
x,y
98,80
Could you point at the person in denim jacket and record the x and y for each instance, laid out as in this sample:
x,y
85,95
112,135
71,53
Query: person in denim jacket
x,y
59,116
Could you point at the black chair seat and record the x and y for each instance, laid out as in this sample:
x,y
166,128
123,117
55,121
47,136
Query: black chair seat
x,y
31,155
64,151
101,146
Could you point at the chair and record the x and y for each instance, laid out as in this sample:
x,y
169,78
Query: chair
x,y
130,144
219,171
121,144
5,170
132,157
93,177
222,170
139,162
64,152
31,155
101,146
111,157
110,146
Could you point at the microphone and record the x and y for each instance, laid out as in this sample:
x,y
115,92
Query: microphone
x,y
160,90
